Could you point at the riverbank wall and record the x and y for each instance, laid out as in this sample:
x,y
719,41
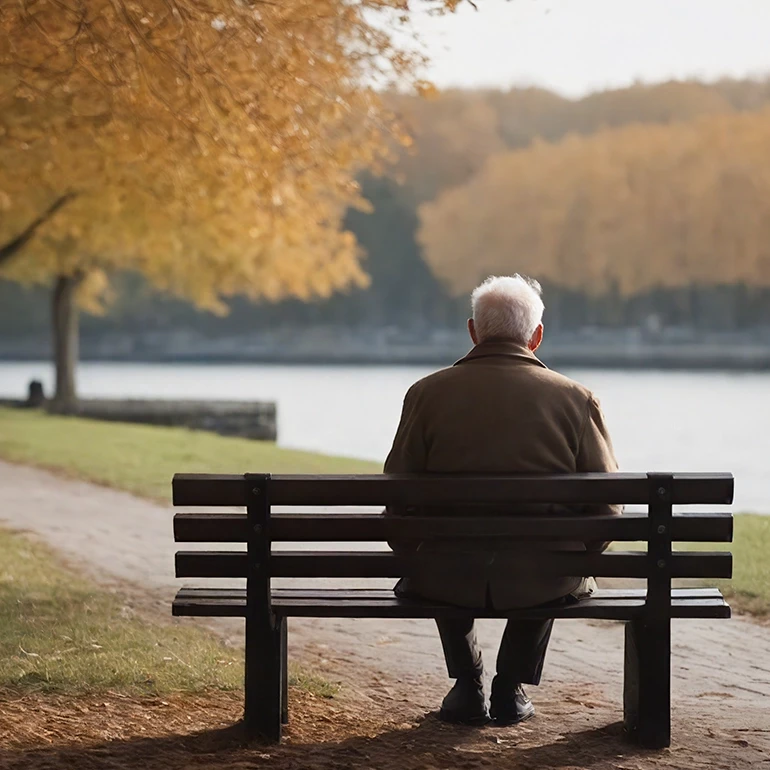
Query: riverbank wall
x,y
245,419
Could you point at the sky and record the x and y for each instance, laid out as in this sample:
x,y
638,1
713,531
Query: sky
x,y
578,46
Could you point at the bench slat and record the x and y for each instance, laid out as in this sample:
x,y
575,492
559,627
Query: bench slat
x,y
601,594
597,488
618,610
371,564
621,604
341,527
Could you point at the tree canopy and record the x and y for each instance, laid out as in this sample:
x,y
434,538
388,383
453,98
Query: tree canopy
x,y
209,144
629,209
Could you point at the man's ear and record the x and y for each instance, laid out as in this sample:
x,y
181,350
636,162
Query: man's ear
x,y
536,339
472,331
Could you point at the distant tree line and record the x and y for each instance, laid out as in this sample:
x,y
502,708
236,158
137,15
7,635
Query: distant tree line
x,y
639,202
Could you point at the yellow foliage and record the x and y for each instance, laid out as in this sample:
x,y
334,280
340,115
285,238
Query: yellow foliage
x,y
210,144
629,209
454,132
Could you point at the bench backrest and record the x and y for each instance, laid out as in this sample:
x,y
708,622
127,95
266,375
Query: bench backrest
x,y
259,527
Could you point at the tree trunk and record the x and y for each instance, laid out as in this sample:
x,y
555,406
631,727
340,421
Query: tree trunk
x,y
64,319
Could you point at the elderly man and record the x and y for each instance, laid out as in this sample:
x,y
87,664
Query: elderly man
x,y
498,410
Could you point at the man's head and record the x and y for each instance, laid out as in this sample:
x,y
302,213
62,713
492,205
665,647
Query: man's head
x,y
507,308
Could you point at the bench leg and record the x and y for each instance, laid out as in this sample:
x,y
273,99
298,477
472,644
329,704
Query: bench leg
x,y
284,672
263,685
647,683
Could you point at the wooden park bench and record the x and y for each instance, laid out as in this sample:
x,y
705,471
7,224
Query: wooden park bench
x,y
647,612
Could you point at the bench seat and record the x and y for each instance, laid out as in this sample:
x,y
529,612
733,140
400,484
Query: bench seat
x,y
606,603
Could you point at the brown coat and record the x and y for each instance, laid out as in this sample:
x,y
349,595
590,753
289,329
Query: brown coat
x,y
498,410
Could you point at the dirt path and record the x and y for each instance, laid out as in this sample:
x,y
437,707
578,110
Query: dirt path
x,y
721,669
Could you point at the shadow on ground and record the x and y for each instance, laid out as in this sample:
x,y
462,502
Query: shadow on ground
x,y
428,744
110,731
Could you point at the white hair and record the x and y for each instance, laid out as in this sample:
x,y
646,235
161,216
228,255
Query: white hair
x,y
507,308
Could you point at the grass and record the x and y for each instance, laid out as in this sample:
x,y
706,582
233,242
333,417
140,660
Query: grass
x,y
142,458
57,631
749,589
60,633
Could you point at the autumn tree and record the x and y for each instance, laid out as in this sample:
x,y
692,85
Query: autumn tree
x,y
211,145
452,133
621,211
455,131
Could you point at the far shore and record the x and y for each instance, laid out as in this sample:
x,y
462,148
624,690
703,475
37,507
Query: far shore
x,y
674,348
750,359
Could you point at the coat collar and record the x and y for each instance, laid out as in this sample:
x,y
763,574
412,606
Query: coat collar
x,y
502,349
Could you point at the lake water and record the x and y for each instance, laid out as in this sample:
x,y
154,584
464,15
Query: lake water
x,y
659,420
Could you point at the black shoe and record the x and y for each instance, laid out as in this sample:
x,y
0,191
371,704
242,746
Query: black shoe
x,y
465,703
509,703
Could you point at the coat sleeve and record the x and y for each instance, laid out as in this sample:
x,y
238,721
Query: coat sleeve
x,y
408,454
596,455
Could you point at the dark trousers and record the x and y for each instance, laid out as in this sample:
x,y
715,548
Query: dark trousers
x,y
520,657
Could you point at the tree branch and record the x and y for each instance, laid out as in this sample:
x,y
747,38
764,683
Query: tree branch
x,y
9,249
